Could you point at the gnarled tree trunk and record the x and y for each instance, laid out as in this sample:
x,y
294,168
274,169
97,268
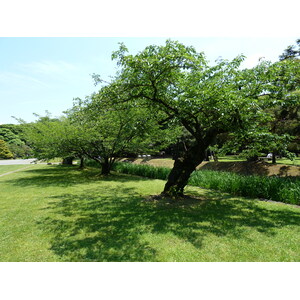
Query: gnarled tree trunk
x,y
186,165
182,170
273,158
105,166
81,166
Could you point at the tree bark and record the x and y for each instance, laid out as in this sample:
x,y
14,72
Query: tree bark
x,y
273,158
183,168
68,161
105,167
207,155
81,163
252,158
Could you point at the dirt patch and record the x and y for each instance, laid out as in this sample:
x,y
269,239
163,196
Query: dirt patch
x,y
241,167
250,168
182,201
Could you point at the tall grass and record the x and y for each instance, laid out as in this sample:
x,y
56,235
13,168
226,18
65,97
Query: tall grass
x,y
282,189
142,170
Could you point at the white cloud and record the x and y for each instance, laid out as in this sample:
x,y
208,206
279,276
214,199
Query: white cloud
x,y
16,80
253,60
36,75
48,67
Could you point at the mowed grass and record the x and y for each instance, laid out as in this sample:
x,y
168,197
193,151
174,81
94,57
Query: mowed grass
x,y
285,161
10,168
56,213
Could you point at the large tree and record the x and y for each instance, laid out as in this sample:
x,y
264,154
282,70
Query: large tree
x,y
290,116
49,137
109,132
91,129
279,132
178,84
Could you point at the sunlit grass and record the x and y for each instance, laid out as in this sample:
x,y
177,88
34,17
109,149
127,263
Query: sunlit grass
x,y
285,161
10,168
55,213
230,158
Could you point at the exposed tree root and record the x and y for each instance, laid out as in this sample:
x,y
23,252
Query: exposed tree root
x,y
183,200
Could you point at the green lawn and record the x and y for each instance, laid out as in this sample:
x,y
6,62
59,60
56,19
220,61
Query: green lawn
x,y
56,213
285,161
230,158
10,168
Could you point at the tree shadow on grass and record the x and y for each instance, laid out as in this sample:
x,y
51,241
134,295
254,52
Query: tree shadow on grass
x,y
108,221
62,176
107,225
94,227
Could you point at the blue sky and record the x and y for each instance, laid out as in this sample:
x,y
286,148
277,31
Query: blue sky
x,y
39,74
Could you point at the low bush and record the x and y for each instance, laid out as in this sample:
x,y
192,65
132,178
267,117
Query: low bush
x,y
91,163
142,170
282,189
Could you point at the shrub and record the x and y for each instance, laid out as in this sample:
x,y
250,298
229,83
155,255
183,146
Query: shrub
x,y
4,151
91,163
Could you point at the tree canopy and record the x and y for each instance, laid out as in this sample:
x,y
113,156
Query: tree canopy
x,y
177,83
93,130
291,51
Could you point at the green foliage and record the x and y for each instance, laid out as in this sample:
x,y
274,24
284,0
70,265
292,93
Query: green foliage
x,y
49,137
291,51
8,136
171,94
279,127
4,151
110,131
93,130
259,143
20,151
177,83
13,136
